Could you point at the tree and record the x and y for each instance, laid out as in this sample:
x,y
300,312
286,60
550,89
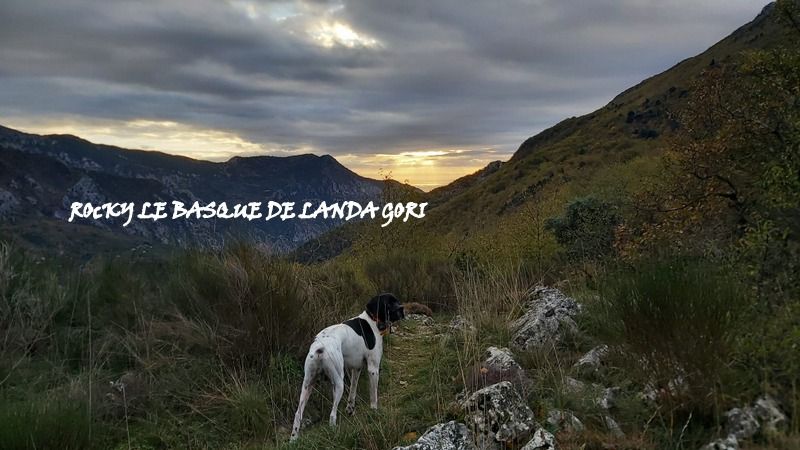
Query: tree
x,y
586,230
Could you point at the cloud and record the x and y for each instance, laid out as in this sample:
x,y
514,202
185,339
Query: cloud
x,y
357,79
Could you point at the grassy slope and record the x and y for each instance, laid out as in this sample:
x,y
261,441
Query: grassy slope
x,y
579,148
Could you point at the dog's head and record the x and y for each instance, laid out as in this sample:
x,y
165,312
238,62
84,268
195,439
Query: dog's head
x,y
385,309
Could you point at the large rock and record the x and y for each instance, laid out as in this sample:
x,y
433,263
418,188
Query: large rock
x,y
542,440
742,423
444,436
564,420
769,414
763,417
499,412
499,365
728,443
459,323
613,427
548,317
592,361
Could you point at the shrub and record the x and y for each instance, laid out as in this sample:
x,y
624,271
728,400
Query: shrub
x,y
586,230
412,277
44,424
676,322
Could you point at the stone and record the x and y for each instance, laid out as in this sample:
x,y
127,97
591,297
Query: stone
x,y
613,427
573,386
564,420
500,412
499,365
459,323
728,443
549,315
592,361
444,436
607,398
742,423
542,440
421,318
768,412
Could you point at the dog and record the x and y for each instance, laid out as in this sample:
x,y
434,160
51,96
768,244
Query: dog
x,y
349,346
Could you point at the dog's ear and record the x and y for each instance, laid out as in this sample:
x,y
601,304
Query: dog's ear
x,y
373,305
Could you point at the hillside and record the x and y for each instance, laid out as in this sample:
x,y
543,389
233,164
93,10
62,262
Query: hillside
x,y
41,175
630,129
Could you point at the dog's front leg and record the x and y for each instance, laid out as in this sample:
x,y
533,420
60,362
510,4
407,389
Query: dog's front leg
x,y
373,370
351,399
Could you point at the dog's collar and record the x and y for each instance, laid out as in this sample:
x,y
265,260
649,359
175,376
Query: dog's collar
x,y
387,325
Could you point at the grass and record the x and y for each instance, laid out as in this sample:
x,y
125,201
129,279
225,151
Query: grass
x,y
200,341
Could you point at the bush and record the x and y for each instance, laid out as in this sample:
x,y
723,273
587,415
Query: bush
x,y
586,231
259,304
44,424
412,277
676,321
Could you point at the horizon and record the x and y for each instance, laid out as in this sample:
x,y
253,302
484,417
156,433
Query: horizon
x,y
288,78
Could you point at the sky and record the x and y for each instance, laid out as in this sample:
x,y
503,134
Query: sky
x,y
424,91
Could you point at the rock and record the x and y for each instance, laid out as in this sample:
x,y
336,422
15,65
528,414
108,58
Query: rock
x,y
613,427
423,319
728,443
564,420
592,361
126,395
8,203
500,412
607,398
573,386
459,323
769,414
499,365
542,440
549,315
444,436
742,423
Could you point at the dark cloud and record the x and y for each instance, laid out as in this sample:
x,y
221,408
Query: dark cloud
x,y
358,77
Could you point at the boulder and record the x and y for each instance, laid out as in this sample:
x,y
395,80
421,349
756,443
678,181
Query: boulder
x,y
542,440
742,423
549,315
573,386
728,443
607,398
444,436
499,365
499,412
768,412
421,318
592,361
459,323
613,427
564,420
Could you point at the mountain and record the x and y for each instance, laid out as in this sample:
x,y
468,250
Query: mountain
x,y
41,175
633,125
615,148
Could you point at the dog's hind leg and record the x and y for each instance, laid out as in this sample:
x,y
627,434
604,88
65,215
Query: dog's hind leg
x,y
311,372
351,398
305,393
338,390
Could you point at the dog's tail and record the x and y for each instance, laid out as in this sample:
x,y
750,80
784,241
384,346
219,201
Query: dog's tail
x,y
317,351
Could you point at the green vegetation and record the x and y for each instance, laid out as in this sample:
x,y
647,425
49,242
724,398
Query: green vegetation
x,y
671,213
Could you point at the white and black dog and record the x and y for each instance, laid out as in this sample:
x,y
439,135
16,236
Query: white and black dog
x,y
349,346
